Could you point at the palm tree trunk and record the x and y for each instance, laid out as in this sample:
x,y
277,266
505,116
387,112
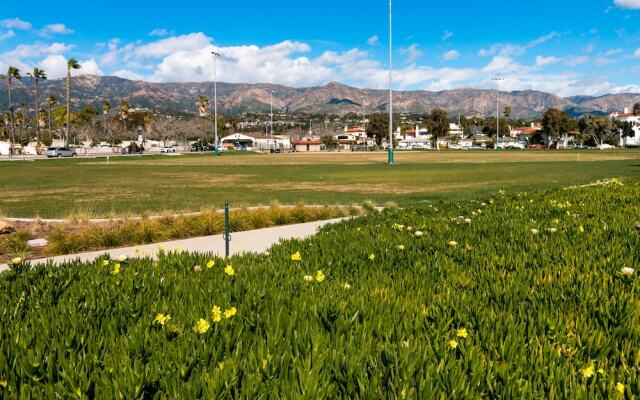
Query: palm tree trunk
x,y
37,118
50,134
13,127
66,132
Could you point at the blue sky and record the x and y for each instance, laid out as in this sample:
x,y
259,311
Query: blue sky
x,y
567,47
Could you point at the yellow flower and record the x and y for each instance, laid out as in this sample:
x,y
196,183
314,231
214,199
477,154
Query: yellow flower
x,y
217,314
372,257
319,276
620,387
160,248
535,231
601,371
346,286
230,312
308,278
105,263
229,270
296,256
161,319
453,243
116,269
121,258
3,383
210,264
401,247
138,249
588,372
462,333
581,229
16,261
202,326
453,344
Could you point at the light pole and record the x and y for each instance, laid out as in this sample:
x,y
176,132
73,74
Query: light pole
x,y
497,79
271,121
390,153
215,101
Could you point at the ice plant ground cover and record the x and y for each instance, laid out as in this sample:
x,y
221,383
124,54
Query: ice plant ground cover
x,y
514,295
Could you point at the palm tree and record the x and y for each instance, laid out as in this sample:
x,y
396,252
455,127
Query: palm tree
x,y
38,75
203,104
507,112
106,109
72,63
123,113
51,101
12,73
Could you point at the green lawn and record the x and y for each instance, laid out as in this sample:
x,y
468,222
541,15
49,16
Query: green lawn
x,y
58,188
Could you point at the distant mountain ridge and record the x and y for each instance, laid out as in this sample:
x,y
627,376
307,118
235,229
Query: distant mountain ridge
x,y
236,98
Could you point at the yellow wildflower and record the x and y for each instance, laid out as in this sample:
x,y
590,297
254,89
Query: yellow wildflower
x,y
620,387
372,257
16,261
121,258
453,344
588,372
3,383
230,312
401,247
346,286
229,270
138,249
217,314
308,278
453,243
462,333
296,256
105,263
535,231
581,229
161,319
320,276
202,326
601,371
160,248
210,264
116,269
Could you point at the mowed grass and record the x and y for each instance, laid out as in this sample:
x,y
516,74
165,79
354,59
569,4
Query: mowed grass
x,y
59,188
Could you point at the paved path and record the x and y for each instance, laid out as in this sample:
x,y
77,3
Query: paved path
x,y
256,241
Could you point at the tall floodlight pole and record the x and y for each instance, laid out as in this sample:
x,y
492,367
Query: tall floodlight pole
x,y
497,79
390,153
215,101
271,121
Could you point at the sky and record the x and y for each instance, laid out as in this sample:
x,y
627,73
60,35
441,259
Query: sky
x,y
566,47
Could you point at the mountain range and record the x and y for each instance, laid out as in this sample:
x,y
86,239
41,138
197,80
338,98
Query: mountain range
x,y
333,98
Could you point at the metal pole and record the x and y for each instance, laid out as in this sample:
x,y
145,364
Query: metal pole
x,y
497,79
390,153
215,101
227,237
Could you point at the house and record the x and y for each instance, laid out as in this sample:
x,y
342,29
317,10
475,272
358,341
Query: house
x,y
456,130
256,142
5,148
628,116
306,145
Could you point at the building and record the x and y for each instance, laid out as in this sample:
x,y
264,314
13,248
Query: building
x,y
306,145
628,116
256,142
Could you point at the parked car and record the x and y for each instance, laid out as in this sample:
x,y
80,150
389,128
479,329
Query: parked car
x,y
536,146
133,148
605,146
60,152
168,149
514,146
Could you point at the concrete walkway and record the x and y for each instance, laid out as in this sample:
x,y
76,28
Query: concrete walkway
x,y
256,241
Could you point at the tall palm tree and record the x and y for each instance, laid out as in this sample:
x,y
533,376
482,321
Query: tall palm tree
x,y
51,101
37,75
12,73
72,63
106,109
123,113
203,104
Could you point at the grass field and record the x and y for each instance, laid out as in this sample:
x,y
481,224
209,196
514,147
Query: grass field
x,y
510,296
58,188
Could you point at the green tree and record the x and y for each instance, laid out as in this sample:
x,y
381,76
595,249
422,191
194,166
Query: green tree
x,y
378,127
72,63
329,142
507,112
489,127
123,113
12,73
37,75
203,105
636,109
556,123
438,124
51,101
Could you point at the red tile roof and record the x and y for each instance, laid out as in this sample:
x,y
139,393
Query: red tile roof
x,y
303,142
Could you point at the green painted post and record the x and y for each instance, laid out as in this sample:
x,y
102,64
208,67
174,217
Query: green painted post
x,y
227,237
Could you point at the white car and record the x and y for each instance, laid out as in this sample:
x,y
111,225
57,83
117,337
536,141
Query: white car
x,y
605,146
168,149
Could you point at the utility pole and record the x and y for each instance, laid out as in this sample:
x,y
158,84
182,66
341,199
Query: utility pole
x,y
215,101
497,79
390,153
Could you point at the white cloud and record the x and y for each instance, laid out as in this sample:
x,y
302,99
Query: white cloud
x,y
613,52
451,55
15,23
589,48
7,35
636,54
160,32
511,49
89,67
573,61
412,53
631,4
55,29
544,61
126,74
373,40
446,35
56,67
171,45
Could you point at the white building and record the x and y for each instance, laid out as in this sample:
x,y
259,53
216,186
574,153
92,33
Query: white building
x,y
627,116
240,141
456,130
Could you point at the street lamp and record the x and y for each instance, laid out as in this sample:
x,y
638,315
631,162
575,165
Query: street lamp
x,y
497,79
271,120
215,101
390,154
